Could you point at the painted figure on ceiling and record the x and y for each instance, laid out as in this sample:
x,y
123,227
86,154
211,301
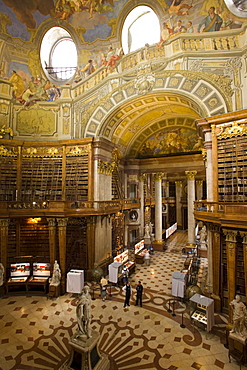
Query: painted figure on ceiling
x,y
211,23
18,84
178,8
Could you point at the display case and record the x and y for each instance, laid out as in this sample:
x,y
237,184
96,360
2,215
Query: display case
x,y
139,246
37,283
122,258
17,283
140,256
202,311
39,280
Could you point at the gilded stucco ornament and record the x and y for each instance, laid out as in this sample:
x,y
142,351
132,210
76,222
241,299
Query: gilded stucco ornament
x,y
5,130
234,130
77,151
105,168
4,22
145,84
5,152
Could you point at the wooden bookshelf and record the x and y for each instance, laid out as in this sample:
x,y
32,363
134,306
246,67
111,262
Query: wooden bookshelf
x,y
77,178
8,178
224,276
232,169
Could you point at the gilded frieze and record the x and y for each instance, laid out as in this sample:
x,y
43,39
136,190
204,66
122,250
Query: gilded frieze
x,y
232,131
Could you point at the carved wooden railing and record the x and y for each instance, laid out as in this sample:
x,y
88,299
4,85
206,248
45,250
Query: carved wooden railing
x,y
66,208
225,214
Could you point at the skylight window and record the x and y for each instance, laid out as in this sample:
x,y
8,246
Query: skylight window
x,y
58,55
141,27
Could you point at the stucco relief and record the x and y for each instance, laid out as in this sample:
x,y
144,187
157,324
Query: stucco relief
x,y
36,122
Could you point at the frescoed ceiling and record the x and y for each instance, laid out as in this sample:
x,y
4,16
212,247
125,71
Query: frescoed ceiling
x,y
137,123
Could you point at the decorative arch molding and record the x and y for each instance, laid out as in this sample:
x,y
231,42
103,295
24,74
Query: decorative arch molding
x,y
208,94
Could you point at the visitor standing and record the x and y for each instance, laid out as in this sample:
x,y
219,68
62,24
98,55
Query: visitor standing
x,y
139,291
127,289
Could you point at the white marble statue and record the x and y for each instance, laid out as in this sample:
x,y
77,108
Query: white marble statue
x,y
1,274
56,275
83,313
147,235
239,313
203,235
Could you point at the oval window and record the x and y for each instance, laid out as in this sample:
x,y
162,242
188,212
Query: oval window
x,y
237,7
136,29
58,55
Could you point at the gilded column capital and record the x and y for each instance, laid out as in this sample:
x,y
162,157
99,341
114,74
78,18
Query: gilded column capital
x,y
105,168
62,222
244,236
199,182
179,184
51,222
4,222
230,235
142,177
158,176
190,175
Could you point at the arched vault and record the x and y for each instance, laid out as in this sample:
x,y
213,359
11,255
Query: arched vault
x,y
147,104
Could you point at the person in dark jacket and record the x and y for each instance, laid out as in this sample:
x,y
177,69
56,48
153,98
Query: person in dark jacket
x,y
139,290
127,289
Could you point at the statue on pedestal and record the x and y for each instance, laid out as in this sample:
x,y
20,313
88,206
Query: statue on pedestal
x,y
239,313
56,275
1,273
203,237
147,235
83,313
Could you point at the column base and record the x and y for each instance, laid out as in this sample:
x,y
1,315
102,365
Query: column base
x,y
85,354
158,245
189,247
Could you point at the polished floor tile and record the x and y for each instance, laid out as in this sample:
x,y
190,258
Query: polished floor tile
x,y
35,331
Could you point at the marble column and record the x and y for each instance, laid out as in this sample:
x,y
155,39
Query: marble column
x,y
52,239
142,178
179,189
209,165
190,200
158,207
199,189
4,227
62,228
231,241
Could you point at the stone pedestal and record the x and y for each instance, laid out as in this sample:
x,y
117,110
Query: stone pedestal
x,y
147,240
85,354
54,290
203,251
158,245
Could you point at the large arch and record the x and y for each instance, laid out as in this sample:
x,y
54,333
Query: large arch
x,y
146,104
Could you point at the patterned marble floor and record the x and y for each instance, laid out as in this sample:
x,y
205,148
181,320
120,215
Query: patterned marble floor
x,y
34,330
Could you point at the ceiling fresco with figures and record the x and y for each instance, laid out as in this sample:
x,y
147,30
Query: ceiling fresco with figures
x,y
150,121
